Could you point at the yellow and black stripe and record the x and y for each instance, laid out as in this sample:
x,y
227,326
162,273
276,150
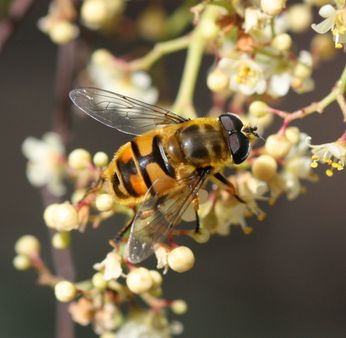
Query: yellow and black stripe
x,y
137,165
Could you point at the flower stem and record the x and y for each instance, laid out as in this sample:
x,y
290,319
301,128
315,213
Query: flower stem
x,y
183,104
157,52
336,93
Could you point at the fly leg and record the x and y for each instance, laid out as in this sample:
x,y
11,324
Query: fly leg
x,y
115,242
230,186
195,203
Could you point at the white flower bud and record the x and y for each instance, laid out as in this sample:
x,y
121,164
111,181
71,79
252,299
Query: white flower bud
x,y
273,7
179,307
217,80
98,281
181,259
258,108
299,17
22,262
156,278
104,202
27,245
264,167
65,291
65,217
63,32
101,57
277,146
49,214
292,135
100,159
94,13
302,71
79,159
61,240
282,42
139,280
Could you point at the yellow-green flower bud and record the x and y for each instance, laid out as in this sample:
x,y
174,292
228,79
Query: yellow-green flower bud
x,y
264,167
273,7
181,259
65,291
98,281
292,135
217,80
61,240
27,245
104,202
22,262
299,17
63,32
94,13
139,280
79,159
156,278
100,159
179,306
277,146
258,109
282,42
49,214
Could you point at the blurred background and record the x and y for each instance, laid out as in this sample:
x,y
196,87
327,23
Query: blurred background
x,y
287,279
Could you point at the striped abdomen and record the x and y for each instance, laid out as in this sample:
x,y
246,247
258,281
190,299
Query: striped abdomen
x,y
136,166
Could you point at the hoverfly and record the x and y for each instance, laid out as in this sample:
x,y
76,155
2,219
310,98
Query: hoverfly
x,y
162,168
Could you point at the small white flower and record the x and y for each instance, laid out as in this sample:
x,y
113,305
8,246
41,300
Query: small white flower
x,y
279,84
45,162
254,19
106,75
333,154
111,266
335,21
246,75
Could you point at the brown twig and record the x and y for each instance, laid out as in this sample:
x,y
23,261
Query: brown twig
x,y
62,259
17,11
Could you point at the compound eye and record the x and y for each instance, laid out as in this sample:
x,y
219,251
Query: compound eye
x,y
231,122
239,146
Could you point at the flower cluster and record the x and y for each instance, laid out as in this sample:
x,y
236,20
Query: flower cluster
x,y
256,63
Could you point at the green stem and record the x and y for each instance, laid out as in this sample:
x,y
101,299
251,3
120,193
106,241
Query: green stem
x,y
183,104
158,51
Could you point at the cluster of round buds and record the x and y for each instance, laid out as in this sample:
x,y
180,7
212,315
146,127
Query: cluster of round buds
x,y
80,159
61,217
27,248
58,24
141,280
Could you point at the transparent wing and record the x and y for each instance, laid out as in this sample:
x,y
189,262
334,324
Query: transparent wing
x,y
158,214
122,112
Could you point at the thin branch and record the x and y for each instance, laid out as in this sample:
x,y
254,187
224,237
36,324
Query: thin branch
x,y
17,11
336,93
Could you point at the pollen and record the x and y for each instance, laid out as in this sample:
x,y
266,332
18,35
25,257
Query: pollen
x,y
247,230
315,158
314,164
261,216
329,172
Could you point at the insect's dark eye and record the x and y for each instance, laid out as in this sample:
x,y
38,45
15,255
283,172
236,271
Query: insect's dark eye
x,y
231,122
239,147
